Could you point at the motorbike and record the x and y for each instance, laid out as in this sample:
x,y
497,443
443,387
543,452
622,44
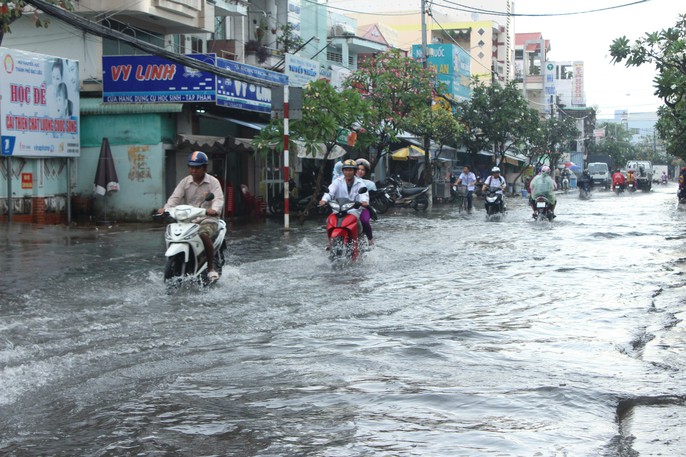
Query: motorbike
x,y
494,202
631,187
343,231
681,196
543,209
380,199
299,206
617,188
584,193
185,252
400,195
664,180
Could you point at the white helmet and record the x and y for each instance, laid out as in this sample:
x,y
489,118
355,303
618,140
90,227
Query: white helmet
x,y
495,170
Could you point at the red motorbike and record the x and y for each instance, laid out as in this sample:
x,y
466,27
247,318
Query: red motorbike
x,y
343,230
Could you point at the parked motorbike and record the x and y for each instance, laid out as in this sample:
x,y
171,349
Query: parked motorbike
x,y
185,252
343,231
494,202
400,195
543,210
380,199
299,206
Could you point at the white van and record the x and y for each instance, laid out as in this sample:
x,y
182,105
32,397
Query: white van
x,y
600,173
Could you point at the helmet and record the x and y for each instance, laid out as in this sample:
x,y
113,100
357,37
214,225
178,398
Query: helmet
x,y
364,163
545,169
495,170
350,163
197,158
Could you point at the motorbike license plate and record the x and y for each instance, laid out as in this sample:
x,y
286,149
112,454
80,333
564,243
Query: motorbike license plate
x,y
540,204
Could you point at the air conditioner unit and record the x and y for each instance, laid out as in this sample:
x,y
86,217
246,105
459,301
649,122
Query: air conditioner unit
x,y
342,29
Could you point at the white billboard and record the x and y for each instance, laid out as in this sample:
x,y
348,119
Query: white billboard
x,y
39,105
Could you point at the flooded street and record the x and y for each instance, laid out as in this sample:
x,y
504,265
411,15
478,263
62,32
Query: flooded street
x,y
454,337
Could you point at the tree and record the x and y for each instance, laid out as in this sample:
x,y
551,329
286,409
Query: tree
x,y
396,86
498,119
325,112
11,10
666,50
616,144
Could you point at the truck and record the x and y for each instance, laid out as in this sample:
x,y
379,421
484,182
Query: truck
x,y
644,173
657,172
600,174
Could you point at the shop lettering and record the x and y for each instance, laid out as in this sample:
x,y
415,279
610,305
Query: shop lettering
x,y
26,95
150,72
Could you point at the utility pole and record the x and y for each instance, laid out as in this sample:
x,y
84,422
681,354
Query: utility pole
x,y
427,141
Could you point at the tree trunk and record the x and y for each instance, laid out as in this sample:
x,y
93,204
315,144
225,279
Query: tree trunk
x,y
317,185
428,172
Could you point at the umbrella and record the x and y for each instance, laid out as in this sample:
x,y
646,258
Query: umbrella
x,y
570,164
409,152
106,175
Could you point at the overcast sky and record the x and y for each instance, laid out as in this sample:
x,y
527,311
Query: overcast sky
x,y
588,37
584,37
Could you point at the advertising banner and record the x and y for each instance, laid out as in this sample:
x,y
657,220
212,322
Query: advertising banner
x,y
300,70
153,79
39,105
578,94
248,96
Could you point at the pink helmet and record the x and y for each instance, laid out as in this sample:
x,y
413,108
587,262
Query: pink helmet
x,y
545,169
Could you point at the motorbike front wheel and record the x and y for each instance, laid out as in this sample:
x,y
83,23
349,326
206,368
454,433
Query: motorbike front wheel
x,y
421,203
173,270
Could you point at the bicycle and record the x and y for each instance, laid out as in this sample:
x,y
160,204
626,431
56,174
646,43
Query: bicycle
x,y
459,197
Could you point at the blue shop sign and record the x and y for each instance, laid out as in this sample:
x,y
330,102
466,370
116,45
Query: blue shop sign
x,y
152,79
248,96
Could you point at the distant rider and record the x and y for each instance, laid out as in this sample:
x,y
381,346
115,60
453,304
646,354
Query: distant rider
x,y
543,185
618,179
631,177
664,177
496,183
468,179
363,169
586,182
192,190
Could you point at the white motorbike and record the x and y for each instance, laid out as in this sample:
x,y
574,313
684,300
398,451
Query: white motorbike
x,y
186,256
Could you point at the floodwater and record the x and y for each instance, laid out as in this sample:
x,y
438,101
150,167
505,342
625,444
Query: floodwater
x,y
455,336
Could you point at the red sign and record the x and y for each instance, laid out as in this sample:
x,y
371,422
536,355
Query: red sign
x,y
27,181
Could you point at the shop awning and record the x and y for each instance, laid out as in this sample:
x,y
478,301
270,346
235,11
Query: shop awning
x,y
214,143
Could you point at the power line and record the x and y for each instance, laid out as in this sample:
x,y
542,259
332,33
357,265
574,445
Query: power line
x,y
97,29
471,9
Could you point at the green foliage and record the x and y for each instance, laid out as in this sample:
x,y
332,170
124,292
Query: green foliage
x,y
665,49
616,143
497,118
552,138
288,40
325,111
396,86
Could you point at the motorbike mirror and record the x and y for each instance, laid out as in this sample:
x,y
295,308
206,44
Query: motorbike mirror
x,y
209,197
363,190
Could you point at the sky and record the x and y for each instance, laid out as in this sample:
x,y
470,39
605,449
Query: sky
x,y
585,37
588,37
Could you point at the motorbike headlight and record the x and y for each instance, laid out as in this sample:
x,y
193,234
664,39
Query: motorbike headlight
x,y
348,206
335,206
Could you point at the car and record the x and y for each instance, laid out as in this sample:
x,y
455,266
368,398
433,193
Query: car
x,y
644,173
600,173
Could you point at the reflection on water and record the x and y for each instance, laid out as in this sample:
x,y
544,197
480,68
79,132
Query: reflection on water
x,y
455,336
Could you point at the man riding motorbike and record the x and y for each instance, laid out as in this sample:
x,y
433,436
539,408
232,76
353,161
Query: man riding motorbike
x,y
586,181
192,190
664,178
618,179
496,183
347,186
543,185
631,177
